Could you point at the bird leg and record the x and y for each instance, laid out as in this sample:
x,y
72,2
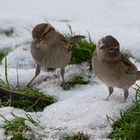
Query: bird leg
x,y
110,92
38,68
125,94
62,74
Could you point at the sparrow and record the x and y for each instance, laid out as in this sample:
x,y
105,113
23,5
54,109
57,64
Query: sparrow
x,y
51,49
112,67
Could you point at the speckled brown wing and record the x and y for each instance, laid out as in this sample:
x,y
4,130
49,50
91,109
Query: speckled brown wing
x,y
128,66
62,42
61,37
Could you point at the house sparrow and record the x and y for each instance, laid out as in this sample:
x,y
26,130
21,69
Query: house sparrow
x,y
112,67
51,49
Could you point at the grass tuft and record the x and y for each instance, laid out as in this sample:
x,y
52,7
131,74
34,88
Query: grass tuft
x,y
25,98
2,55
78,136
6,76
127,127
27,102
81,51
77,80
17,128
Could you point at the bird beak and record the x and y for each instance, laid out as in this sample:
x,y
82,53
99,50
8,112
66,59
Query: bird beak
x,y
36,42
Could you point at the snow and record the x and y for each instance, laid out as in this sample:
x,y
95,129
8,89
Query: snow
x,y
82,108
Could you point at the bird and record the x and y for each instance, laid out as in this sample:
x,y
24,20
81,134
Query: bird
x,y
112,67
51,49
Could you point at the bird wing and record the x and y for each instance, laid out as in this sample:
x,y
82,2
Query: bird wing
x,y
61,38
127,65
62,42
56,40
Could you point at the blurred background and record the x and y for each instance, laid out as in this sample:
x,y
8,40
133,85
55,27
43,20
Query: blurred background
x,y
97,17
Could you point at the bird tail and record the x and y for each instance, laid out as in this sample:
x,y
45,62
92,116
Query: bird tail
x,y
138,74
75,39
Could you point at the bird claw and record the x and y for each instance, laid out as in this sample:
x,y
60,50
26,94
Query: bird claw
x,y
47,77
65,86
106,99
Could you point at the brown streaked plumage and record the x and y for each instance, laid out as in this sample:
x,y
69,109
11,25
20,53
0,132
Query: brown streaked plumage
x,y
51,49
111,67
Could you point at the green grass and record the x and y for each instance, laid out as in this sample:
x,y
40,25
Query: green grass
x,y
34,100
127,127
78,136
34,92
27,102
77,80
2,55
25,98
83,50
18,129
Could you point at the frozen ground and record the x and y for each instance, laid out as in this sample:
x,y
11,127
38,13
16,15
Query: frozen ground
x,y
82,108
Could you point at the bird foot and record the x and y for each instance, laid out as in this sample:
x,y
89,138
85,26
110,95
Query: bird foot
x,y
124,101
65,86
28,85
106,99
48,78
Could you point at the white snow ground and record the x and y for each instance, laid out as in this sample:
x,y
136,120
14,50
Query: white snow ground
x,y
82,108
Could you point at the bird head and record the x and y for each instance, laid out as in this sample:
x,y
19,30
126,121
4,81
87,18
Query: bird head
x,y
40,31
108,46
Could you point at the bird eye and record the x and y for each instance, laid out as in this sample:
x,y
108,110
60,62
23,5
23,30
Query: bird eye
x,y
103,46
44,34
40,39
114,48
111,49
